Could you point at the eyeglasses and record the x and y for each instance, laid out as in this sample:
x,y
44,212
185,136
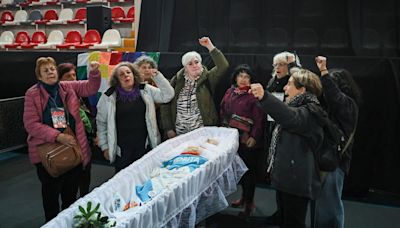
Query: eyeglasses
x,y
279,64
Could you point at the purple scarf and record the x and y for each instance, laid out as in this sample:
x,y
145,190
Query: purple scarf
x,y
127,96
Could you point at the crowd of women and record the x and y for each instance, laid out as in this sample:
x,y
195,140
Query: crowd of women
x,y
140,103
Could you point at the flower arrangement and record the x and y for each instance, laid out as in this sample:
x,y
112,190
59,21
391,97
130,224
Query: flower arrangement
x,y
89,218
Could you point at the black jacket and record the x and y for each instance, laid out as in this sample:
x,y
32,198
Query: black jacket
x,y
294,169
276,84
343,110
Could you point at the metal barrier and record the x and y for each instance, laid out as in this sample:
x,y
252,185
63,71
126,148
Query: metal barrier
x,y
12,132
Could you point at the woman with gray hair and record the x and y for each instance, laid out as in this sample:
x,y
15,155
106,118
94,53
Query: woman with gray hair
x,y
126,116
283,64
193,105
296,135
145,65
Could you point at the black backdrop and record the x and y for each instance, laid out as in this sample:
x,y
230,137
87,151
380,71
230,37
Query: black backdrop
x,y
17,69
333,27
173,26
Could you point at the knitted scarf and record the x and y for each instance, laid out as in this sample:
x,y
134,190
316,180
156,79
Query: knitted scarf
x,y
296,101
127,96
241,90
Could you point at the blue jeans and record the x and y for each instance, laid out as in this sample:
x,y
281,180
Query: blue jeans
x,y
327,210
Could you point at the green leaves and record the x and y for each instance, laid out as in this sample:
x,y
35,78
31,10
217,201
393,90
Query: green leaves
x,y
89,218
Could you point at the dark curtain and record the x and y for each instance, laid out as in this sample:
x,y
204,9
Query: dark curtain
x,y
341,28
155,18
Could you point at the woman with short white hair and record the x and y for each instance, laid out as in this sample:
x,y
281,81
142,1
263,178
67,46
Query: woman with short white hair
x,y
193,105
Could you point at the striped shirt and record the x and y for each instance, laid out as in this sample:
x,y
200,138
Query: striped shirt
x,y
188,115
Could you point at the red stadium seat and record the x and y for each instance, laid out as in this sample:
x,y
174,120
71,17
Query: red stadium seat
x,y
52,2
130,16
117,13
91,37
73,38
38,37
7,15
80,16
21,38
48,16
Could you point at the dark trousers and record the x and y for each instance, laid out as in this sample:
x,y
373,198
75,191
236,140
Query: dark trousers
x,y
84,180
65,185
248,180
293,210
129,154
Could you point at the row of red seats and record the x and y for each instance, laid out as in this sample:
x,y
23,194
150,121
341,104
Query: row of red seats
x,y
54,2
72,40
35,17
50,16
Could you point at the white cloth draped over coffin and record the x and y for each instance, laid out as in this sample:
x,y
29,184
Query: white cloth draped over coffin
x,y
190,200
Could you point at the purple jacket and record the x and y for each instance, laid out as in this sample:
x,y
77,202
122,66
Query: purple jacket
x,y
243,105
36,99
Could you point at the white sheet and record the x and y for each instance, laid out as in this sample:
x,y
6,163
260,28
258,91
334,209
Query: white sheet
x,y
195,197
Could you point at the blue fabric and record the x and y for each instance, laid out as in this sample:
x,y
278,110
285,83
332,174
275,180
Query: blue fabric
x,y
191,161
131,56
327,210
142,191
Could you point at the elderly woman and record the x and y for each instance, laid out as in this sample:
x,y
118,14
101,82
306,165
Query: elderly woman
x,y
44,102
291,159
193,105
238,103
282,63
126,116
145,65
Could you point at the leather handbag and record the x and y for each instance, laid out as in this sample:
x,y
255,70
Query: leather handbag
x,y
243,124
58,158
